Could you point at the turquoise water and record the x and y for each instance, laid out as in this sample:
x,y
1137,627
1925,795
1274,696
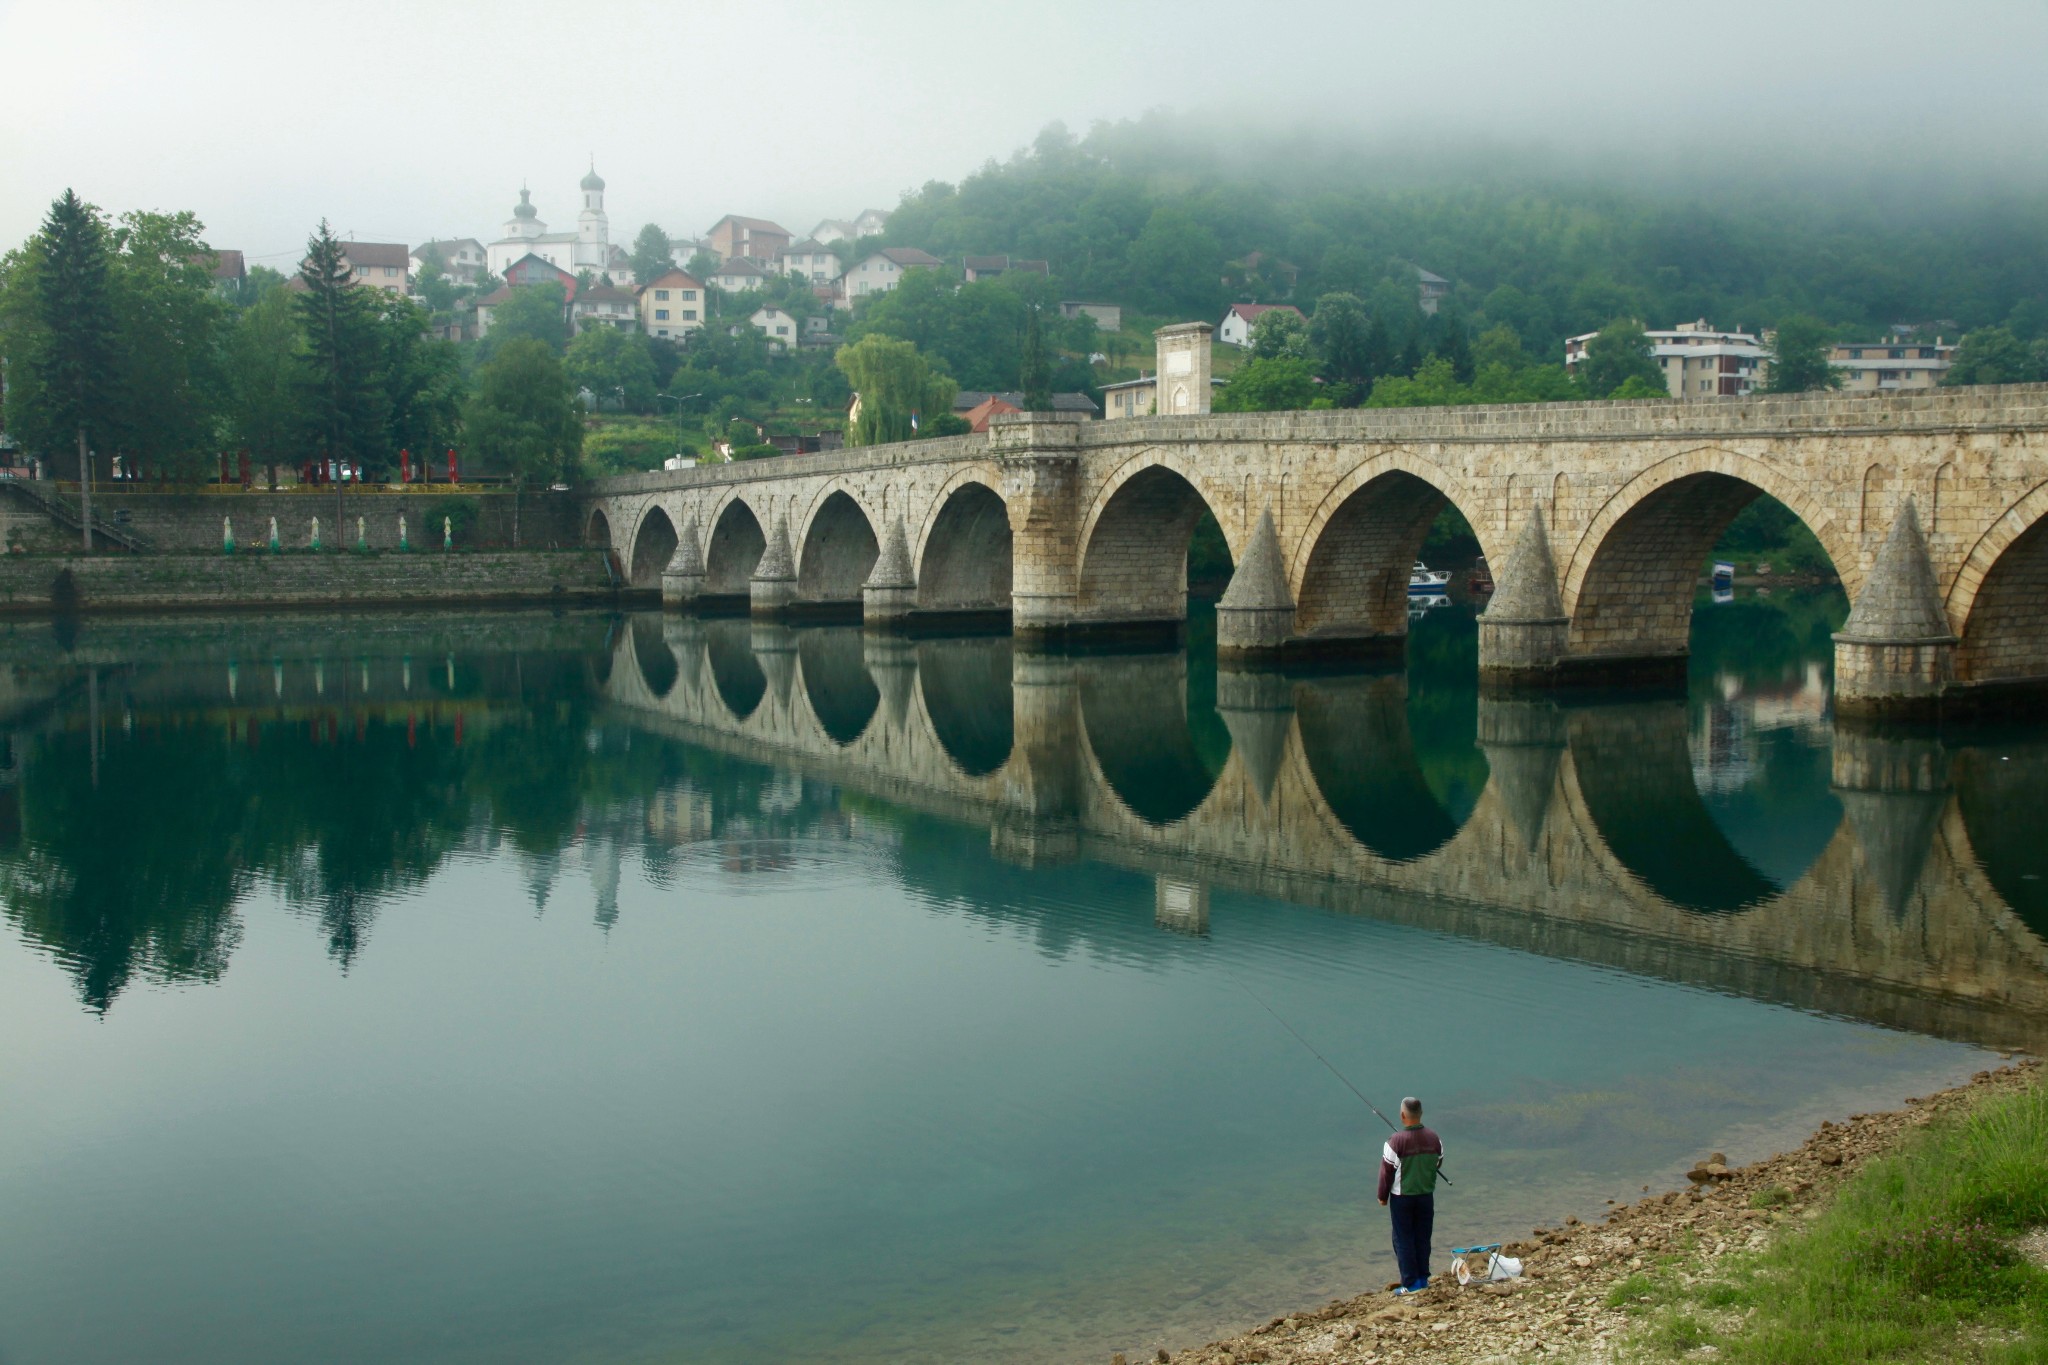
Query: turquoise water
x,y
580,988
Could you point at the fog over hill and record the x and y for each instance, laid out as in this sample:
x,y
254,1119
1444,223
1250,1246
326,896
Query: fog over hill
x,y
398,122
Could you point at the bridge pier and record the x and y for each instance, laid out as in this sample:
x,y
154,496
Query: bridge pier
x,y
1524,739
682,582
1523,631
1040,462
773,586
1258,710
890,593
1255,616
1040,824
1894,788
1895,655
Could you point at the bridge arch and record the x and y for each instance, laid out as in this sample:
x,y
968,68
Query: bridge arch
x,y
654,545
1634,794
965,548
1628,590
1998,595
597,529
1351,568
1360,752
837,551
965,686
736,673
1152,754
842,694
654,656
1134,540
733,548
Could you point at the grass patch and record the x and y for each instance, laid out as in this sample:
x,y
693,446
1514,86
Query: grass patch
x,y
1770,1197
1914,1258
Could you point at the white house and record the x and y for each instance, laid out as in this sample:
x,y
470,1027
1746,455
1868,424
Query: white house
x,y
834,230
811,261
461,258
739,274
883,271
672,305
1237,324
589,247
870,223
1698,361
779,327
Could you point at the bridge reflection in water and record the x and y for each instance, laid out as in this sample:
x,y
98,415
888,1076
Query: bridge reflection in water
x,y
1902,888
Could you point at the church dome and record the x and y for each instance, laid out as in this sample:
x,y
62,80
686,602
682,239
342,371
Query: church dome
x,y
593,181
524,208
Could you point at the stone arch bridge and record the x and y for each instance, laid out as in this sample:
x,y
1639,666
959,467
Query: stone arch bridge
x,y
1588,839
1597,518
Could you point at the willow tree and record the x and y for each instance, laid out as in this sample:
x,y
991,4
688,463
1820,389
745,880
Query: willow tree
x,y
895,389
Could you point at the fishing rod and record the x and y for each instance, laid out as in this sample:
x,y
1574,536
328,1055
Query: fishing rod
x,y
1320,1057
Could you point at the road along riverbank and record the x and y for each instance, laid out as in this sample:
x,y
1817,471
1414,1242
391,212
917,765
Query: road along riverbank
x,y
1670,1273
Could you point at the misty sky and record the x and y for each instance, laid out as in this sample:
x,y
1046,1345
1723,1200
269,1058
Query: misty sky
x,y
400,122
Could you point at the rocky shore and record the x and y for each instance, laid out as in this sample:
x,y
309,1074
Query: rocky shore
x,y
1560,1309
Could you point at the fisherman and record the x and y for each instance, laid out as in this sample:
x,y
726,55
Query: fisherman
x,y
1408,1169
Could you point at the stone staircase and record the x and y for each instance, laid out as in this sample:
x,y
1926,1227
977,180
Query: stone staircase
x,y
64,510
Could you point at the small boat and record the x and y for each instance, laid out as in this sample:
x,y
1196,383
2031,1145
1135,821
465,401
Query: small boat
x,y
1424,581
1481,577
1724,574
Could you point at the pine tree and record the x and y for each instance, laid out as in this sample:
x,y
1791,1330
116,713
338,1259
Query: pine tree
x,y
345,400
76,359
1036,379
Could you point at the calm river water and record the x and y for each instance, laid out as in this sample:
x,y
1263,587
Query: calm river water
x,y
584,988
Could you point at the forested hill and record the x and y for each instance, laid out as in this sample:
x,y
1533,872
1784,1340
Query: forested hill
x,y
1156,215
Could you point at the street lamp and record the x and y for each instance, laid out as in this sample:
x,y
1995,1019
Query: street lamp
x,y
678,400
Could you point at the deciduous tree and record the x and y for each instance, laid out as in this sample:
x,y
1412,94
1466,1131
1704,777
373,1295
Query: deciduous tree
x,y
1996,355
613,364
1280,334
1799,356
650,254
1270,385
522,414
1619,353
895,386
533,312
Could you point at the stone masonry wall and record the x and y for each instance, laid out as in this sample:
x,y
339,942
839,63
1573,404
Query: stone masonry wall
x,y
176,521
122,582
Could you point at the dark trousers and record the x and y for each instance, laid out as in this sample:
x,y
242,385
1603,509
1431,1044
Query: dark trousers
x,y
1414,1217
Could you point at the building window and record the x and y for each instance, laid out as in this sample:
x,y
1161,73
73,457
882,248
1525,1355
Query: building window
x,y
689,315
661,294
689,295
661,331
661,315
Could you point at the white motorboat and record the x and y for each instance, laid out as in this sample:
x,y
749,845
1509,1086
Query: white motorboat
x,y
1424,581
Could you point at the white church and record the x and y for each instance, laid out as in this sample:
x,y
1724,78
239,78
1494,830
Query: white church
x,y
589,247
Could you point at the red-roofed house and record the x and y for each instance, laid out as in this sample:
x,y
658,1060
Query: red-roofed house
x,y
1237,323
672,305
992,406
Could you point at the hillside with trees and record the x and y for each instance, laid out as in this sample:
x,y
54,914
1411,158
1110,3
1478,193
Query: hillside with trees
x,y
1172,217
